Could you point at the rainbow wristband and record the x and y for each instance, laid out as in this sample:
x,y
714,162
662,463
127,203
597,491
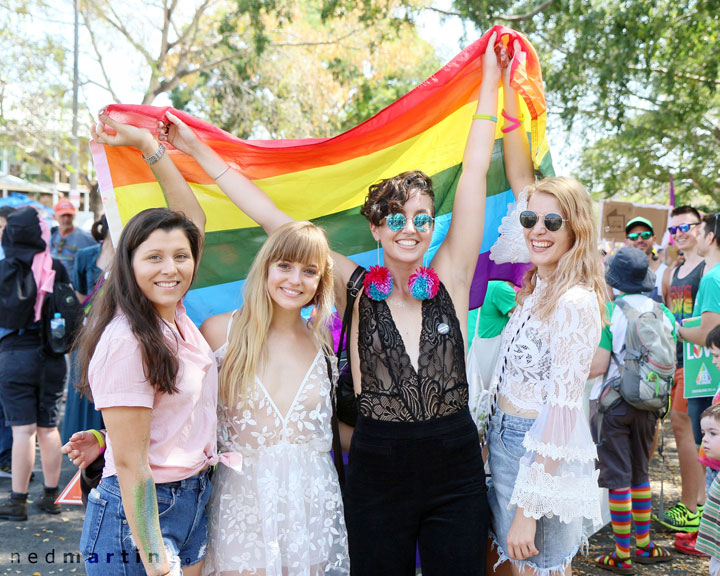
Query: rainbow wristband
x,y
484,117
100,438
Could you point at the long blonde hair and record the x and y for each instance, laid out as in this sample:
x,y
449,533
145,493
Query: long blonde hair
x,y
293,242
581,264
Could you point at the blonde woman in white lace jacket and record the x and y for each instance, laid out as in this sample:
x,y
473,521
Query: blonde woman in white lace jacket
x,y
542,457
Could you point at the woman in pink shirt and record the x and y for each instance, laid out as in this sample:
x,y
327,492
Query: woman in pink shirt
x,y
155,379
275,409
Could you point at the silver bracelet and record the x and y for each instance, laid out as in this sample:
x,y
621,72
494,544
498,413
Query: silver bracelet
x,y
221,173
155,157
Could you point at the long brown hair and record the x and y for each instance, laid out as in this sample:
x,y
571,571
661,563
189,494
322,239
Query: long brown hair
x,y
581,264
121,293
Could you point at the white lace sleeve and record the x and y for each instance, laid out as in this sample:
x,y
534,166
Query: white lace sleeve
x,y
510,245
557,474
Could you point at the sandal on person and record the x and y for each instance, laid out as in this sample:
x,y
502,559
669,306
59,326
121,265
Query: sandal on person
x,y
614,564
652,554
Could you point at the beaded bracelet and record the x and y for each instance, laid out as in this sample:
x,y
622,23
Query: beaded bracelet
x,y
484,117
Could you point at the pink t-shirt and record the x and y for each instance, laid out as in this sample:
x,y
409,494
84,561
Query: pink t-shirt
x,y
183,425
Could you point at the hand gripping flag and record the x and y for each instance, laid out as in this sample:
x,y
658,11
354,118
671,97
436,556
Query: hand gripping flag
x,y
326,179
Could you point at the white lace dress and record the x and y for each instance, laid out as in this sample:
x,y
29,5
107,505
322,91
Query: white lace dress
x,y
282,515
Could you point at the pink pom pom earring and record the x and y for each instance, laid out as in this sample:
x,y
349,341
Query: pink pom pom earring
x,y
378,283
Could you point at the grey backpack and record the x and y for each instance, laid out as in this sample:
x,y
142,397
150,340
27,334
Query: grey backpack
x,y
646,379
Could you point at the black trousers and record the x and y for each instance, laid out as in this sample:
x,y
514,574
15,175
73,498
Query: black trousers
x,y
417,483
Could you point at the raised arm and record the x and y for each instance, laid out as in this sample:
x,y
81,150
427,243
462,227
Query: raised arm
x,y
178,193
516,148
245,194
240,190
457,257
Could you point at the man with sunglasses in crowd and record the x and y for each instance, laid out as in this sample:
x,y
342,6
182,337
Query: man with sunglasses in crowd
x,y
685,515
66,239
639,234
707,308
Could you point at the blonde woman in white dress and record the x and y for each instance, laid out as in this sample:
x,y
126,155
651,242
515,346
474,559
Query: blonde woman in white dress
x,y
282,515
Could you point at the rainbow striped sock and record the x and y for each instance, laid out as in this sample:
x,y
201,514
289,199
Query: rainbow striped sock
x,y
621,519
641,511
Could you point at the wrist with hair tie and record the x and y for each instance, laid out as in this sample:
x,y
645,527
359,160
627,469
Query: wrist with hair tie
x,y
515,122
221,172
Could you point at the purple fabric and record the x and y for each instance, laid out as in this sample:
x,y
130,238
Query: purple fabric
x,y
487,270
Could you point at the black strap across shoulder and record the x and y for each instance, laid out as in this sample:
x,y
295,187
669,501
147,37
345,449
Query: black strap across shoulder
x,y
335,425
354,286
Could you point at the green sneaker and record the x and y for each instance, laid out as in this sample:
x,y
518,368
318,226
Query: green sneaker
x,y
680,519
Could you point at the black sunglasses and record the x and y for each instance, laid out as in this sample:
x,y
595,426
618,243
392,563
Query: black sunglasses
x,y
646,235
684,228
553,222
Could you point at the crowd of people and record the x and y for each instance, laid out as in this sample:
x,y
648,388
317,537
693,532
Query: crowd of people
x,y
214,443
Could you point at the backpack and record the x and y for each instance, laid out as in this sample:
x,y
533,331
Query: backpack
x,y
63,301
646,379
17,294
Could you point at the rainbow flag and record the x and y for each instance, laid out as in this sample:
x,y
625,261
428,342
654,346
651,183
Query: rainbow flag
x,y
326,179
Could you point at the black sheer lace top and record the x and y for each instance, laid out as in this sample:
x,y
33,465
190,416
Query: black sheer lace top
x,y
391,388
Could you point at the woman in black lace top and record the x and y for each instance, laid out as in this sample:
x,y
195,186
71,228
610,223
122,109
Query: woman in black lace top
x,y
416,471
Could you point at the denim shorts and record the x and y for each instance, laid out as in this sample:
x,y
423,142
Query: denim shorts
x,y
557,542
107,545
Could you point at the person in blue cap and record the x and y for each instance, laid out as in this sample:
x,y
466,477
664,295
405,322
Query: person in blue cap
x,y
625,436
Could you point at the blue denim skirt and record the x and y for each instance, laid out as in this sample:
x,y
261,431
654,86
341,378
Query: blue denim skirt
x,y
108,547
557,542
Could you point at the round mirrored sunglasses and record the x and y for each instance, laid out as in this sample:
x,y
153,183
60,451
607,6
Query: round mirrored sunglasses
x,y
397,221
553,222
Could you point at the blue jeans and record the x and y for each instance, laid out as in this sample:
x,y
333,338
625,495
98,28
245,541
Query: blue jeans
x,y
696,406
108,546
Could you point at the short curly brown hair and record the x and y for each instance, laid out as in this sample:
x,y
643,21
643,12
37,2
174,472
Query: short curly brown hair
x,y
389,195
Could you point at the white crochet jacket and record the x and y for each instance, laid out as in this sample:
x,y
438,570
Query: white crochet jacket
x,y
543,370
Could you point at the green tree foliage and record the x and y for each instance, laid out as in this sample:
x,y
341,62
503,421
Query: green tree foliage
x,y
268,69
308,70
35,93
640,78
